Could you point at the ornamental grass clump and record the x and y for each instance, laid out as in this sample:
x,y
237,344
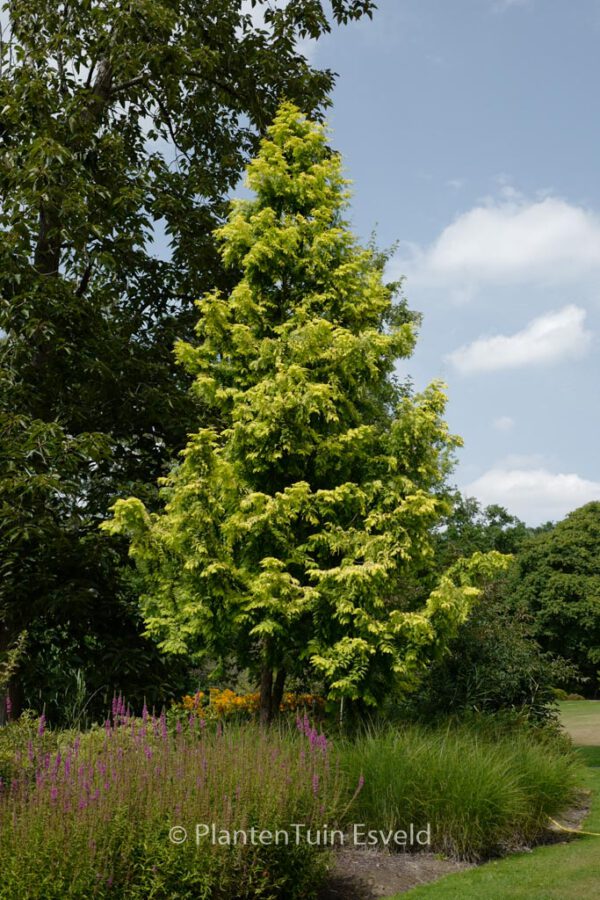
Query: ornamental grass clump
x,y
94,819
481,795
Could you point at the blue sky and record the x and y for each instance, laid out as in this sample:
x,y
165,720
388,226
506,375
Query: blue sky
x,y
471,131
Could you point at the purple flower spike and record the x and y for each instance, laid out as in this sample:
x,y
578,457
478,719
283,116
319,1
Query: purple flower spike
x,y
42,725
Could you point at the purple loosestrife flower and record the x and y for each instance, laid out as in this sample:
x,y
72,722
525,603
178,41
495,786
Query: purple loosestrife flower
x,y
30,753
8,707
322,743
144,712
53,793
315,784
41,725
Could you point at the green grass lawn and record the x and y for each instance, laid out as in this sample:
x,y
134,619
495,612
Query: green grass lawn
x,y
558,872
581,718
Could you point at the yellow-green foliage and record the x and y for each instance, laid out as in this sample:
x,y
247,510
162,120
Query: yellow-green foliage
x,y
289,526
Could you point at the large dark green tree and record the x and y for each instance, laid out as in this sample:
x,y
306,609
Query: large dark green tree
x,y
123,128
470,527
557,582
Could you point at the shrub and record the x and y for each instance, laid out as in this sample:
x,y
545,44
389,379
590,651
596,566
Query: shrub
x,y
493,664
228,704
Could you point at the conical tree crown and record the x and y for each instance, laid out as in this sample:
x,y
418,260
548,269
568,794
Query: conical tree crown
x,y
292,524
303,349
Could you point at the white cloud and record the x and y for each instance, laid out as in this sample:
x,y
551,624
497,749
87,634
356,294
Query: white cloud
x,y
535,495
504,423
549,338
506,241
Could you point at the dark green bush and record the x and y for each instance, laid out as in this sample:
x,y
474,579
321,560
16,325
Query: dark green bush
x,y
493,664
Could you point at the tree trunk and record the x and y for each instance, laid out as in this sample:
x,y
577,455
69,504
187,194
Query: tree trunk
x,y
271,693
277,692
48,247
266,695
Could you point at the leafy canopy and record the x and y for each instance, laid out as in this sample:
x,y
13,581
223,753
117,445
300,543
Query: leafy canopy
x,y
120,123
290,524
557,581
